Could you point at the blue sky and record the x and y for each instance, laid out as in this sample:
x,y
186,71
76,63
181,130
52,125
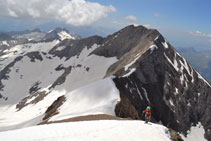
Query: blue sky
x,y
184,14
182,22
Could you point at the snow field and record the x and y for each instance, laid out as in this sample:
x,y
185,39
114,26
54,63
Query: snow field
x,y
99,130
32,72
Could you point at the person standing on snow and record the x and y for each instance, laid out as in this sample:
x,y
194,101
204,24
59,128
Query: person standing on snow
x,y
147,112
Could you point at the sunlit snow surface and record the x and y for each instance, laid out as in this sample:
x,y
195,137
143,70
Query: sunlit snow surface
x,y
64,35
99,97
25,73
103,130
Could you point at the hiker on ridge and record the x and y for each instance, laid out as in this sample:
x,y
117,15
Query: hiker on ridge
x,y
147,112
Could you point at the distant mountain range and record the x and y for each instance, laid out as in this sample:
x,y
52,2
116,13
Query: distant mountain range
x,y
200,60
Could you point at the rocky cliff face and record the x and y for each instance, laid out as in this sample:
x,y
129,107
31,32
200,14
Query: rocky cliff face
x,y
160,77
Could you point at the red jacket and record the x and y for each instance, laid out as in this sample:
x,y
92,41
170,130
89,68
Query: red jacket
x,y
148,112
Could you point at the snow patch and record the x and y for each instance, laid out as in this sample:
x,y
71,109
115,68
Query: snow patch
x,y
156,38
165,44
196,133
50,31
200,77
176,91
130,72
171,102
99,97
131,63
139,93
60,48
175,65
116,36
5,43
152,48
146,95
64,35
136,25
168,83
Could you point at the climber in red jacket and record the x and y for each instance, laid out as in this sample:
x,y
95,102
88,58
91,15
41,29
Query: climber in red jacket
x,y
147,112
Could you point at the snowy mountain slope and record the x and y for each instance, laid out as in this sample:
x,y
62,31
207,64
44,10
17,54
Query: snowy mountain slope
x,y
58,33
20,71
118,75
22,58
43,73
90,131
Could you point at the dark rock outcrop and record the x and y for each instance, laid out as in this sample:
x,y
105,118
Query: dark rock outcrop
x,y
34,56
37,97
125,108
123,41
61,79
52,110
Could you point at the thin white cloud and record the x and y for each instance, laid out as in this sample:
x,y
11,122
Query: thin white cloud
x,y
198,33
75,12
131,17
12,13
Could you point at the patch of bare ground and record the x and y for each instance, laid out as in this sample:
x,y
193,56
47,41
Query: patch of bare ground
x,y
86,118
175,136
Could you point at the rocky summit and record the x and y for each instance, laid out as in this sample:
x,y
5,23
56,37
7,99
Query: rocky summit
x,y
54,76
